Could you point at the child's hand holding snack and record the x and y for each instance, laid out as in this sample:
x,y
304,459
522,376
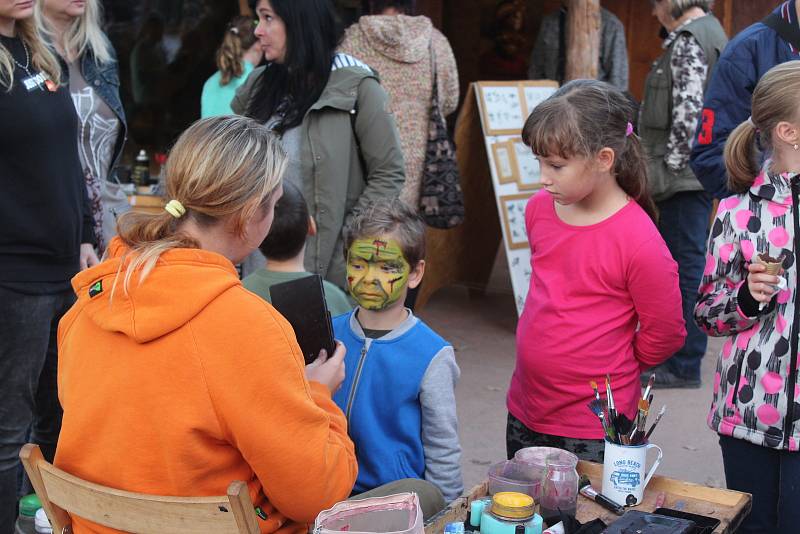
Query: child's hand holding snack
x,y
763,280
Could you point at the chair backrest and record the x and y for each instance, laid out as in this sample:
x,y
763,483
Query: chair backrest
x,y
63,494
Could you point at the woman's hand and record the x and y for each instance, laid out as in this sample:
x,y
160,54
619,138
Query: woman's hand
x,y
762,286
328,371
87,256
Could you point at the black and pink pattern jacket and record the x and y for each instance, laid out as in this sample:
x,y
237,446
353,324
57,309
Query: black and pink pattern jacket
x,y
756,395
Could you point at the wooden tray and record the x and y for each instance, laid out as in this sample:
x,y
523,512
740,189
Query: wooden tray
x,y
730,507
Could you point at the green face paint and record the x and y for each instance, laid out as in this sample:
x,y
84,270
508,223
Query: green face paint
x,y
377,272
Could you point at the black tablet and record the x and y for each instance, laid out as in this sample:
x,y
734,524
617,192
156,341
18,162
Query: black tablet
x,y
302,303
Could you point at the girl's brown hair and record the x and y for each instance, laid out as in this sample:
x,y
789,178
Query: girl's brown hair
x,y
221,169
41,57
776,99
582,118
239,37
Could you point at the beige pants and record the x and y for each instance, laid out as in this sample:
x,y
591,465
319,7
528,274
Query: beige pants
x,y
430,498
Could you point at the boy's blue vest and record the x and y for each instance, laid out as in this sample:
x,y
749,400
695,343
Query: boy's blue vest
x,y
380,397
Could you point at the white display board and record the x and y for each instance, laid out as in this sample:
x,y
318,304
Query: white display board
x,y
504,107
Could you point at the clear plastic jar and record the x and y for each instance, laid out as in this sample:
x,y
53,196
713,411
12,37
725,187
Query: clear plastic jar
x,y
559,488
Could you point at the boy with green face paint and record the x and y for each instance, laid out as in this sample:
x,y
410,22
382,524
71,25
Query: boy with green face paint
x,y
377,272
399,393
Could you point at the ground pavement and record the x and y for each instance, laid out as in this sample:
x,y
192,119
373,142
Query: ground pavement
x,y
482,331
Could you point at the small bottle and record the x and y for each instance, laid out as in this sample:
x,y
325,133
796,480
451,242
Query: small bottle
x,y
141,169
26,522
42,523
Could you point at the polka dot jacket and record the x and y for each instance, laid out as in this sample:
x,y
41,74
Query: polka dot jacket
x,y
756,395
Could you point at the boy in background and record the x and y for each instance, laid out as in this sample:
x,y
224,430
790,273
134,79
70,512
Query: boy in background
x,y
399,393
284,248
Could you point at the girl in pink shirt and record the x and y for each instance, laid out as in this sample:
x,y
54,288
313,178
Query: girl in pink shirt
x,y
604,295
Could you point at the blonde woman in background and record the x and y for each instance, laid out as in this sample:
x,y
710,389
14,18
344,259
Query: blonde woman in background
x,y
238,54
92,76
46,236
205,383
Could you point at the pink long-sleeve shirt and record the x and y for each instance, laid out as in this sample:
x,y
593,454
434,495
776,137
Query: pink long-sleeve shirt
x,y
590,288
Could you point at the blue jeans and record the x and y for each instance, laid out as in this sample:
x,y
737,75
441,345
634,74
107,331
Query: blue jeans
x,y
772,477
29,399
683,224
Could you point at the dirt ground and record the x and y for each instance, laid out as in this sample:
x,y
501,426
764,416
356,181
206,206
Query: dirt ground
x,y
481,329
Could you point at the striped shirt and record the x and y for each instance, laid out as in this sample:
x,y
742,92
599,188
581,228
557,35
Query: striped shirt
x,y
787,15
341,61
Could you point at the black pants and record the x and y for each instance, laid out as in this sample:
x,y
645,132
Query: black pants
x,y
772,477
28,387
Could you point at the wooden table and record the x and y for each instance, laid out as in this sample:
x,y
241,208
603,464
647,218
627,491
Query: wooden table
x,y
146,203
730,507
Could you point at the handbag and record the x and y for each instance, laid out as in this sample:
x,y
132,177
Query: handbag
x,y
441,201
400,514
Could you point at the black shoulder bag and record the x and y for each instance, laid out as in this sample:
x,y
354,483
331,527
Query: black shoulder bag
x,y
441,201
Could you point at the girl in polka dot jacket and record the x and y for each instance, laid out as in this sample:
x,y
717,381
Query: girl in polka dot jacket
x,y
756,404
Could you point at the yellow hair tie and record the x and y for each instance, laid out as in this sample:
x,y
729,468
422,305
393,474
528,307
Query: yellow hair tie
x,y
175,208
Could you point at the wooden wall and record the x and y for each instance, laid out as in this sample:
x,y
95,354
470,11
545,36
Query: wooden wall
x,y
467,24
644,43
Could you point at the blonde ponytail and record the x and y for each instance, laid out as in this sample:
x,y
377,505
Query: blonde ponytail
x,y
222,170
775,99
239,37
742,157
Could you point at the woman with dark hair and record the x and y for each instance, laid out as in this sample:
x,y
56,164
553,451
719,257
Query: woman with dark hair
x,y
332,116
237,56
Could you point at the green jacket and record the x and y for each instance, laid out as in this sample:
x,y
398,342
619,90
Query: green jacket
x,y
335,181
656,114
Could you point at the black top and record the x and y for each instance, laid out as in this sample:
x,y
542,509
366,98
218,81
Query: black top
x,y
44,208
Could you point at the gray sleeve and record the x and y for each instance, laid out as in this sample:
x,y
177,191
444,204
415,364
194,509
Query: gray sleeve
x,y
440,425
536,63
616,57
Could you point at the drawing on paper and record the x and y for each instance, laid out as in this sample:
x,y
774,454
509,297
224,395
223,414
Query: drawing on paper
x,y
513,208
503,163
527,172
501,106
537,92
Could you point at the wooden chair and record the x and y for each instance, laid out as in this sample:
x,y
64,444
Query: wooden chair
x,y
62,493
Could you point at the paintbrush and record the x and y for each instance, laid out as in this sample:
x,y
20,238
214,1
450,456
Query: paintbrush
x,y
596,406
586,489
653,426
593,384
612,409
650,383
641,420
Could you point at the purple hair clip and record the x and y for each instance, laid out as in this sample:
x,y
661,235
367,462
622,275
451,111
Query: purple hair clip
x,y
629,130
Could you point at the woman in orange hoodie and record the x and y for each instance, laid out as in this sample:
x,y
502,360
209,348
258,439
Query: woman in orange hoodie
x,y
174,379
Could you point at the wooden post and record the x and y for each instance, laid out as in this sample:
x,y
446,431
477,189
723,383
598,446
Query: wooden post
x,y
583,39
244,8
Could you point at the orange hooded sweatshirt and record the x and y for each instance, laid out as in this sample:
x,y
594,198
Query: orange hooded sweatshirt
x,y
189,382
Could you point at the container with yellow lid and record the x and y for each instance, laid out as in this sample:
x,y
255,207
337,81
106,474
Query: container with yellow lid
x,y
512,505
506,513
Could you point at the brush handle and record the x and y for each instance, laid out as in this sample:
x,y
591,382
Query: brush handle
x,y
608,504
652,427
